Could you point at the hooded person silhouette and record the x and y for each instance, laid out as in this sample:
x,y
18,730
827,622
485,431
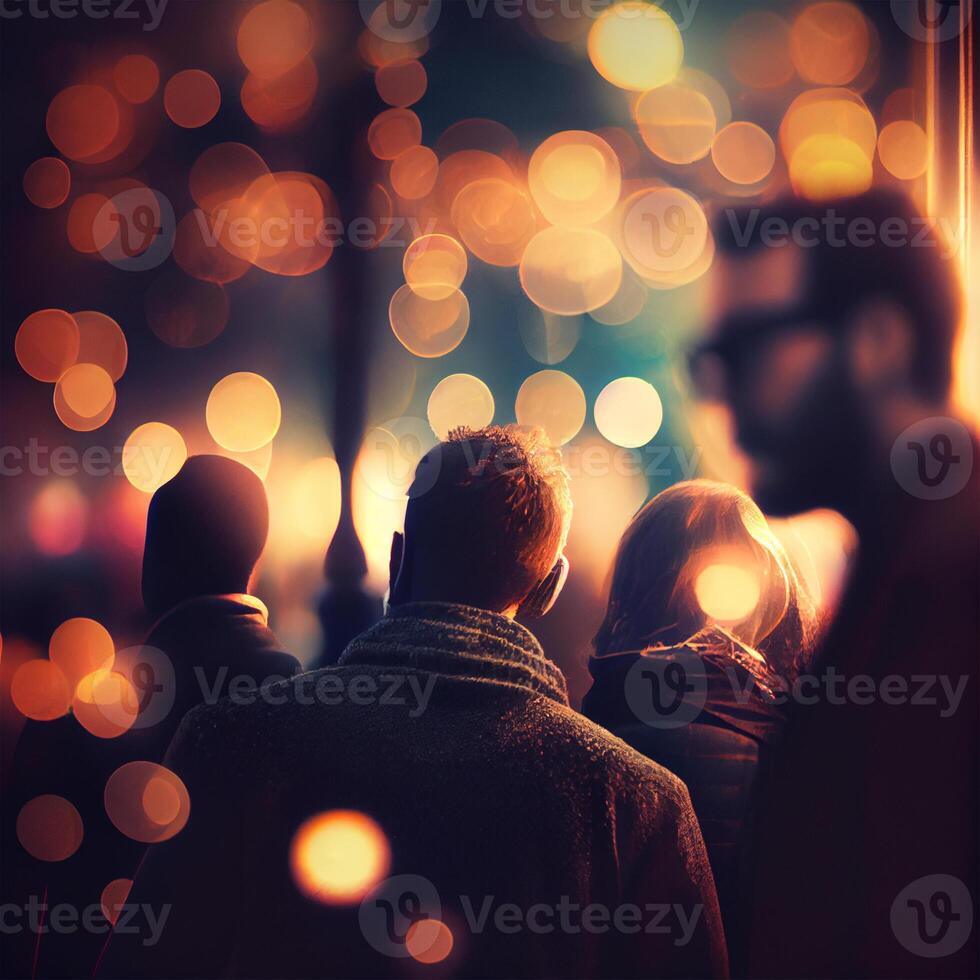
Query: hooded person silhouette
x,y
210,639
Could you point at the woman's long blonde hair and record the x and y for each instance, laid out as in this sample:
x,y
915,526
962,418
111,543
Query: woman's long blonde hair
x,y
653,601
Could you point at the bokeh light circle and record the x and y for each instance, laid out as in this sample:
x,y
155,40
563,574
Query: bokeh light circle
x,y
223,173
903,148
279,104
285,223
665,232
828,112
88,385
554,401
243,412
47,344
146,802
274,37
825,168
574,178
401,83
102,342
50,828
711,89
830,42
464,167
47,182
495,220
570,270
629,412
87,389
114,896
136,78
429,327
459,400
677,123
429,941
413,173
434,266
636,46
728,594
393,132
82,120
338,857
40,690
105,704
743,153
93,223
153,453
759,50
192,98
80,646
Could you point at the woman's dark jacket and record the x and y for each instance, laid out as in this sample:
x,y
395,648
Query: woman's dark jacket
x,y
707,711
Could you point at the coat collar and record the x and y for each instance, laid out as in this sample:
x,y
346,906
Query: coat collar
x,y
461,641
237,602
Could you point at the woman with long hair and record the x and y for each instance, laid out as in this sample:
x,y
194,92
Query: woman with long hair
x,y
708,624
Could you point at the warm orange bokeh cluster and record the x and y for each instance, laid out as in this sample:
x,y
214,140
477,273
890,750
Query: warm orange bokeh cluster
x,y
84,354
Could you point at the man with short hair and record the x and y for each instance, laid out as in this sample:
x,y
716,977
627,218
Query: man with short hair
x,y
479,825
833,348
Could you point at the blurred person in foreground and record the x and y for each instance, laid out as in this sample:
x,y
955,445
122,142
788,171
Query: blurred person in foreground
x,y
833,346
464,788
700,696
206,529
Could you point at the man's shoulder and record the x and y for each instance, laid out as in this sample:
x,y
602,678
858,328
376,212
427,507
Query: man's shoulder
x,y
224,725
322,708
594,748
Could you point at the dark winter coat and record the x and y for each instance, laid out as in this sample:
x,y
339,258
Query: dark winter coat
x,y
718,740
203,649
531,833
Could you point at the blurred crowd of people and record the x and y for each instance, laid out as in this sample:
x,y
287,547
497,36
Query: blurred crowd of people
x,y
749,788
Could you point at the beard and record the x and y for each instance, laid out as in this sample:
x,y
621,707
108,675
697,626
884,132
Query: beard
x,y
815,456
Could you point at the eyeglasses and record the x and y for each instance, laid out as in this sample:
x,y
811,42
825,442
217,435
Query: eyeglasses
x,y
714,365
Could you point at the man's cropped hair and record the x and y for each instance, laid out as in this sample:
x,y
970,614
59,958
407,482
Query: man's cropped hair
x,y
494,506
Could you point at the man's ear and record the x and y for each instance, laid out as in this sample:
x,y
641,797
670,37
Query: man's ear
x,y
881,346
543,596
396,570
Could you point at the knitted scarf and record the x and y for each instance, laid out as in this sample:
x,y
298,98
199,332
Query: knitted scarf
x,y
460,641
